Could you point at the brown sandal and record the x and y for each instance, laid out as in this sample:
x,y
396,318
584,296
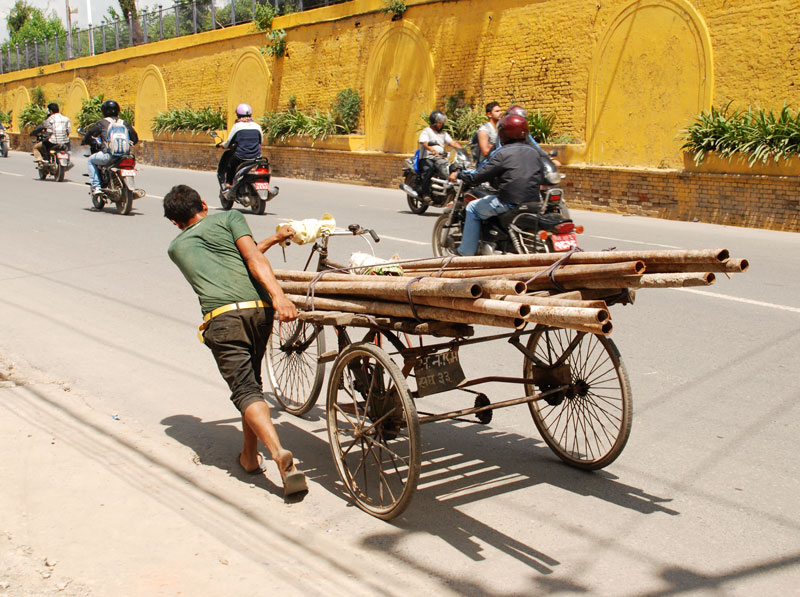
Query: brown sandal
x,y
294,482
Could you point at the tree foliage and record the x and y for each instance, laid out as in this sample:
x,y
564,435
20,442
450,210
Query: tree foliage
x,y
26,23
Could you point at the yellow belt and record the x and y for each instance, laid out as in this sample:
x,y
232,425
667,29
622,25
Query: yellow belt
x,y
224,309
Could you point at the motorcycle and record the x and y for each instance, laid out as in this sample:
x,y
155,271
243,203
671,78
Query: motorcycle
x,y
442,192
541,226
250,186
3,143
57,163
117,181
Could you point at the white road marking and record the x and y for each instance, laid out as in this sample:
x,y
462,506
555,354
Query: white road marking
x,y
154,196
741,300
635,242
10,173
403,240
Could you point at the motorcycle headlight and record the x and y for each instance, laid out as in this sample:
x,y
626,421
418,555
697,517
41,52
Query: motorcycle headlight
x,y
553,177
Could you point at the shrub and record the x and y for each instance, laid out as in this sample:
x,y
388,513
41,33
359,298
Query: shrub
x,y
341,119
276,43
263,17
541,126
394,7
32,115
128,115
755,133
188,120
90,111
5,117
347,110
37,96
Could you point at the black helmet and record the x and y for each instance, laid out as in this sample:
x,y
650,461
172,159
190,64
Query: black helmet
x,y
512,128
437,116
110,108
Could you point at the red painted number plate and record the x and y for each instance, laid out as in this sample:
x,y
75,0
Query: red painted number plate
x,y
564,242
261,186
128,172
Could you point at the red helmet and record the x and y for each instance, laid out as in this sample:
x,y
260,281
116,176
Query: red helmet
x,y
512,128
518,110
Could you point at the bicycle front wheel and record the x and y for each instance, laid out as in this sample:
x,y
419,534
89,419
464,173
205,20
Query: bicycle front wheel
x,y
293,368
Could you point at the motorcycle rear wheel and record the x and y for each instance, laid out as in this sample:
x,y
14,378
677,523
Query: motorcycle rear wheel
x,y
224,202
445,241
4,149
259,205
60,172
125,203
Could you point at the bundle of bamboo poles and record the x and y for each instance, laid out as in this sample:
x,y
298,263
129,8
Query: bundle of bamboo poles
x,y
570,291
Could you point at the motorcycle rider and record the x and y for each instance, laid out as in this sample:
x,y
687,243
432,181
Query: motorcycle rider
x,y
520,111
244,143
432,142
101,153
515,170
57,128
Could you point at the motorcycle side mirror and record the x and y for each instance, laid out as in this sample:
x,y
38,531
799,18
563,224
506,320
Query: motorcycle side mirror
x,y
553,153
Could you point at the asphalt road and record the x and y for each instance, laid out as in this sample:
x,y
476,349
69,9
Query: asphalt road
x,y
703,501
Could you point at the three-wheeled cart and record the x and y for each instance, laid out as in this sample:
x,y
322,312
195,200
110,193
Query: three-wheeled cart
x,y
384,368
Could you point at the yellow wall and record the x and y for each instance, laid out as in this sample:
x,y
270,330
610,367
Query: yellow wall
x,y
623,75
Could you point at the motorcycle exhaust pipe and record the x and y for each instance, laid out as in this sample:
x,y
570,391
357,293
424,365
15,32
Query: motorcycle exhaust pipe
x,y
409,191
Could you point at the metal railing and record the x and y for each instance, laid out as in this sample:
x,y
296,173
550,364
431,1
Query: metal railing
x,y
182,18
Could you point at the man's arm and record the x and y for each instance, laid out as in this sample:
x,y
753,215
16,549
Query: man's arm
x,y
484,143
38,129
283,234
235,129
134,137
96,130
262,271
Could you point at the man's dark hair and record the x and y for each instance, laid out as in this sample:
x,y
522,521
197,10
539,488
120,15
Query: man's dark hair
x,y
491,106
53,107
181,203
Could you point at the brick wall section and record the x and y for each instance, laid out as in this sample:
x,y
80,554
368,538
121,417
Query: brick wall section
x,y
770,202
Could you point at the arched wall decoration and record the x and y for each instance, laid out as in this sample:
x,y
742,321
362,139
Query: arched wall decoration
x,y
76,92
399,86
151,99
21,99
652,71
251,82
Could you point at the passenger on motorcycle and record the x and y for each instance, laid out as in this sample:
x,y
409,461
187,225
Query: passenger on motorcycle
x,y
432,142
56,127
244,143
520,111
515,170
100,143
486,136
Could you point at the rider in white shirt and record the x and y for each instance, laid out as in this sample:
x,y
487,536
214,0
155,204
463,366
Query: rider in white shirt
x,y
57,126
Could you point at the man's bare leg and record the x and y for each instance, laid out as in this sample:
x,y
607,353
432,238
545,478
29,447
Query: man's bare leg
x,y
257,425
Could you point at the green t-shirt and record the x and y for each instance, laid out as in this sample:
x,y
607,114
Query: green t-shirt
x,y
208,258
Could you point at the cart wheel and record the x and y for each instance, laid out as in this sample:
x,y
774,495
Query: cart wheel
x,y
373,430
293,368
588,424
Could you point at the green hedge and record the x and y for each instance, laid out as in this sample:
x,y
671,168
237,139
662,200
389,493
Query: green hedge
x,y
755,133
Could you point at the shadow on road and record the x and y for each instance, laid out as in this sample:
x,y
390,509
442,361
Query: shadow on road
x,y
462,464
218,443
